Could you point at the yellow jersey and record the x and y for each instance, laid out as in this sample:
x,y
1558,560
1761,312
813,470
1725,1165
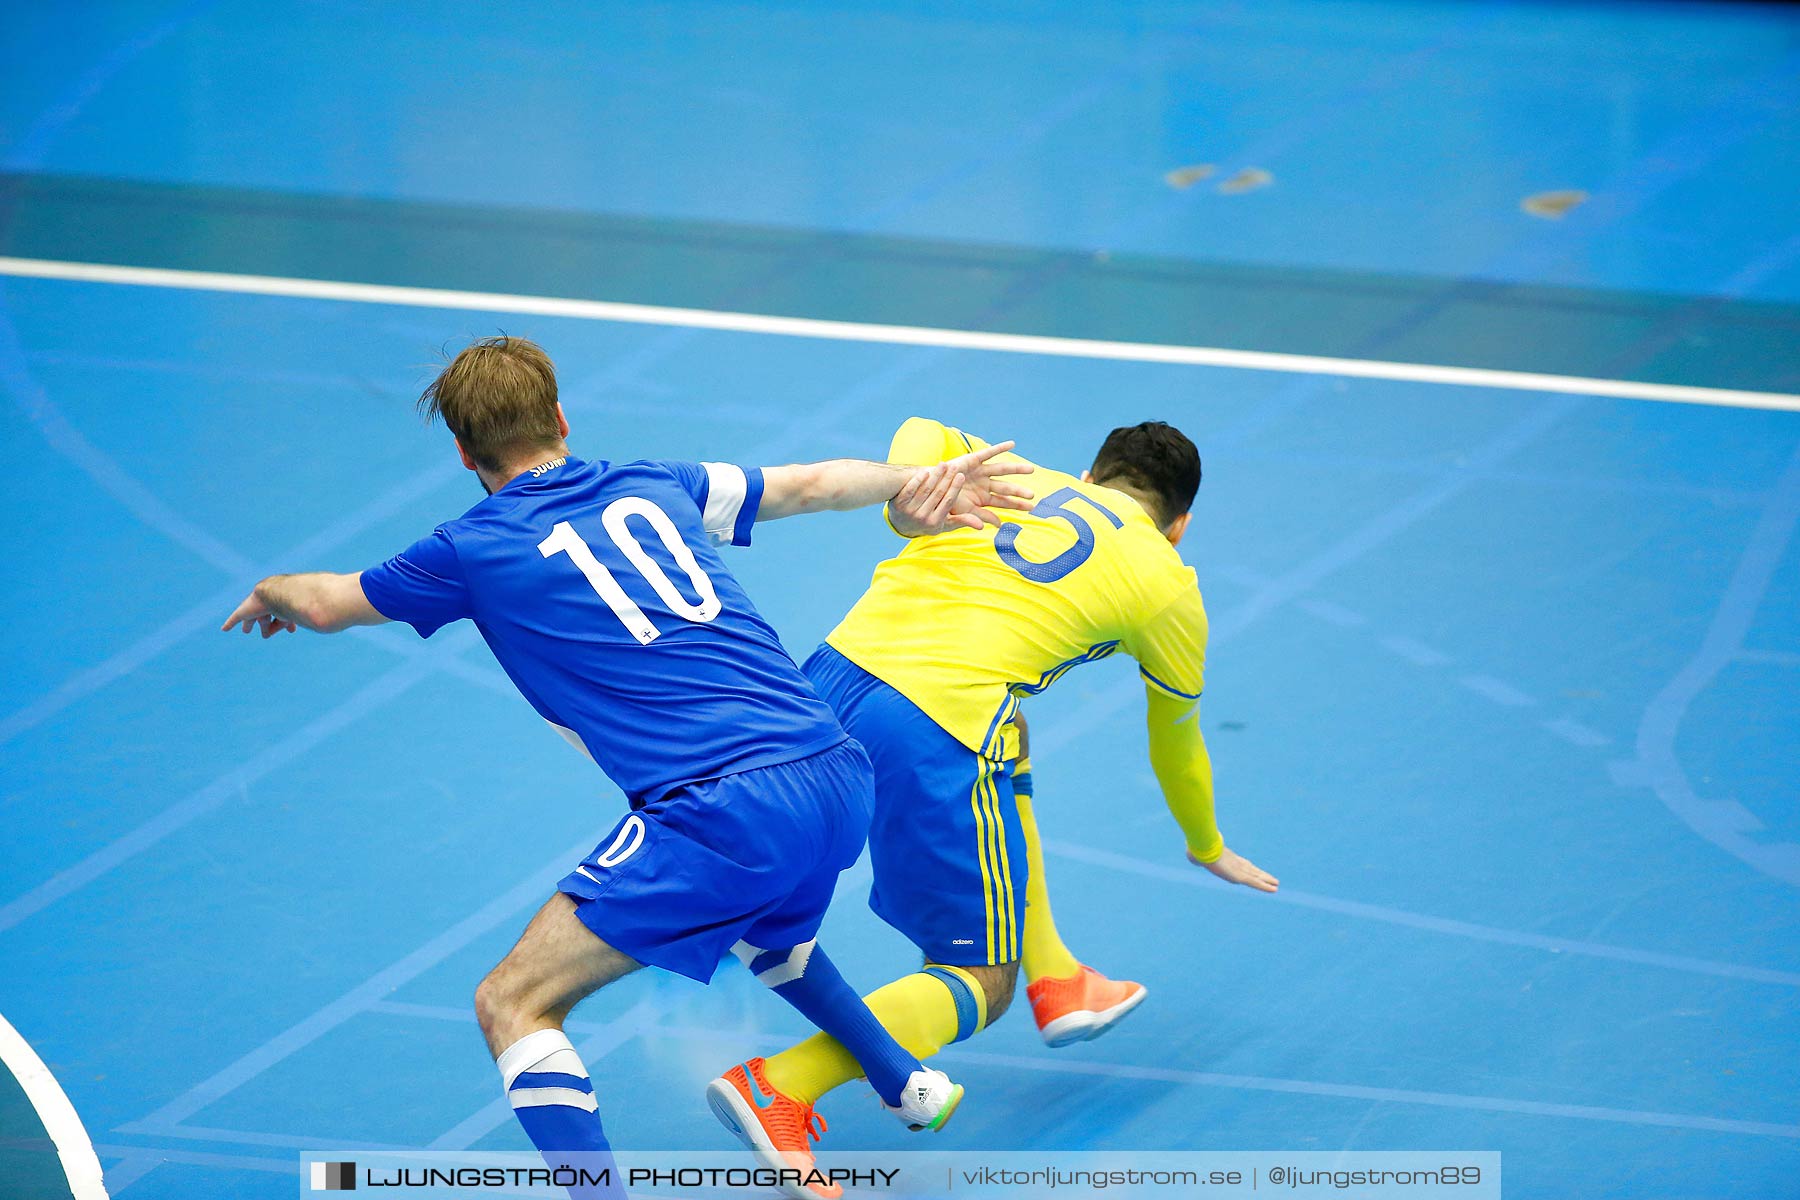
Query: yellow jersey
x,y
968,623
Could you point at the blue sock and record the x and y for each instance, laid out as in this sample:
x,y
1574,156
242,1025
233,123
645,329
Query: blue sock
x,y
554,1100
806,979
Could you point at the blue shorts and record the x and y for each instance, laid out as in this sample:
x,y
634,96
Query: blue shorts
x,y
752,856
949,855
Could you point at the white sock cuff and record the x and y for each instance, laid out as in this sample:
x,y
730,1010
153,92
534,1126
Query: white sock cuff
x,y
783,970
534,1050
790,968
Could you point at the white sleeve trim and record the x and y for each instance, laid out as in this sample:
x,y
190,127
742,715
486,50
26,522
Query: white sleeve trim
x,y
726,489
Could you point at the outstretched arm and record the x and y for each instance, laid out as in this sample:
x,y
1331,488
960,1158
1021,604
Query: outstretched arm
x,y
320,601
1184,769
834,486
961,492
1171,652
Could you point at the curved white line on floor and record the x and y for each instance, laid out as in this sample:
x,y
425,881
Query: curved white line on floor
x,y
73,1145
1721,820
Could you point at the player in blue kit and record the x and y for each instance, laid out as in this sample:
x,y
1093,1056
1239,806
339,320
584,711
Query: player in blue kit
x,y
598,588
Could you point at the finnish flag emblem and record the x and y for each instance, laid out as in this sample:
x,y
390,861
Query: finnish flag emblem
x,y
334,1177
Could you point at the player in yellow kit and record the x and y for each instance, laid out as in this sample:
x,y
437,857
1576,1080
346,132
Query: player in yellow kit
x,y
928,671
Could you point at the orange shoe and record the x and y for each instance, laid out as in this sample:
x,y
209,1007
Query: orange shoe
x,y
777,1129
1081,1006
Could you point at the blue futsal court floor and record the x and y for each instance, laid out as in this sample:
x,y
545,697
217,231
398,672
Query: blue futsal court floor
x,y
1504,680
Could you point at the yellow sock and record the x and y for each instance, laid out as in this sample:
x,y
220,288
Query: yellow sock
x,y
925,1012
1044,953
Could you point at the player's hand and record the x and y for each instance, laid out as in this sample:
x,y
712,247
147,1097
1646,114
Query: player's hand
x,y
1235,868
984,489
959,494
925,504
254,614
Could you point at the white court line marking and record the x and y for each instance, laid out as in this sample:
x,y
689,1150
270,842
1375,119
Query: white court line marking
x,y
1656,762
236,1162
284,1141
1242,576
1777,658
1330,613
905,335
1310,1087
1194,877
135,1166
61,1122
1577,734
1497,690
465,1016
1414,651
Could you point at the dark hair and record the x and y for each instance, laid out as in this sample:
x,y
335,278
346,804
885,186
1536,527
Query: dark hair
x,y
1154,458
499,398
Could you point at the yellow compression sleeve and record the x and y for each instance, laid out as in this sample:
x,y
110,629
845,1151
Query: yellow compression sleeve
x,y
1178,756
1044,954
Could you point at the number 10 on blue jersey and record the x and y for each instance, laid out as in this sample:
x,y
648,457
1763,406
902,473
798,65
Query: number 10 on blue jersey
x,y
564,540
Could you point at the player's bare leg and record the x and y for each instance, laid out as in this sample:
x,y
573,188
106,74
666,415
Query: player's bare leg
x,y
556,963
521,1006
997,984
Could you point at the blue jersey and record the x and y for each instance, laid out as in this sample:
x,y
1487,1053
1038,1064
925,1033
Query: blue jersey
x,y
599,590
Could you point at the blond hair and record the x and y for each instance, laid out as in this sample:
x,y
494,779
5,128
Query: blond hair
x,y
498,396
